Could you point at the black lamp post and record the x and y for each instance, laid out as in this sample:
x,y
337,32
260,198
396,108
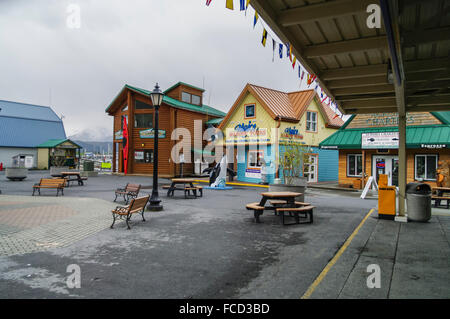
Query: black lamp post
x,y
157,97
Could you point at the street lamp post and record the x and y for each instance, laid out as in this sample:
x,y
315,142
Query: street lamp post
x,y
155,202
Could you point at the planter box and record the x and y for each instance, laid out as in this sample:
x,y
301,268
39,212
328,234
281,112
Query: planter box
x,y
299,188
16,173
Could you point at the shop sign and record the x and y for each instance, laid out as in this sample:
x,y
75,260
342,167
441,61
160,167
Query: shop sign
x,y
253,172
246,133
379,140
291,133
139,155
387,119
433,146
118,135
150,133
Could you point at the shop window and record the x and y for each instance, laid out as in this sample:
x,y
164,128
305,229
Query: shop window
x,y
354,165
425,167
254,159
250,111
311,121
143,156
142,106
143,120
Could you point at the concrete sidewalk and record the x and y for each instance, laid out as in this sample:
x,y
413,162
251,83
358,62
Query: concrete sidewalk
x,y
414,261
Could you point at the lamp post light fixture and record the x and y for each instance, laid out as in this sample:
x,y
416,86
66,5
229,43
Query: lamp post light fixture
x,y
157,97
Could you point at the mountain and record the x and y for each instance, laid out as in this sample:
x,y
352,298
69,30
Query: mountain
x,y
96,147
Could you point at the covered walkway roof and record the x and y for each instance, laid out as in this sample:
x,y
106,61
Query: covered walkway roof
x,y
402,66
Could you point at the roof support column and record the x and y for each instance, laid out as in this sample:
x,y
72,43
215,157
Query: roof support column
x,y
401,168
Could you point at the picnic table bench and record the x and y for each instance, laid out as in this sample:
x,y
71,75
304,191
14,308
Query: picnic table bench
x,y
188,186
137,205
51,183
73,177
129,191
281,203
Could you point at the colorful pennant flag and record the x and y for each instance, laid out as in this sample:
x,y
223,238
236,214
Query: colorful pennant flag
x,y
246,7
280,51
229,4
299,71
208,2
264,37
274,43
255,19
303,75
242,5
293,63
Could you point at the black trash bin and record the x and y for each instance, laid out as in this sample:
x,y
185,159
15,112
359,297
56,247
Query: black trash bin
x,y
418,201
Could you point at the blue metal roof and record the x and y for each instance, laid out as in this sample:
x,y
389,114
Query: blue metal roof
x,y
27,111
26,125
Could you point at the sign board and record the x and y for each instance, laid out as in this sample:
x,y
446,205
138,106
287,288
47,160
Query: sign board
x,y
253,172
379,140
246,132
118,135
150,133
433,146
138,155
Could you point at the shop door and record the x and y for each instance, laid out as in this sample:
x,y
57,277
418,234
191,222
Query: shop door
x,y
310,169
388,165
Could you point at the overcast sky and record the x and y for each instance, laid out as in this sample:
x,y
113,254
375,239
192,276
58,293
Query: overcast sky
x,y
139,42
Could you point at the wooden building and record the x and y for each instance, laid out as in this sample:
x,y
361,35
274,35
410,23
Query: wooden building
x,y
263,116
369,143
182,105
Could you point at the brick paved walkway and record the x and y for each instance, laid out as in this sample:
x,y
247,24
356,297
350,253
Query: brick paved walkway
x,y
29,224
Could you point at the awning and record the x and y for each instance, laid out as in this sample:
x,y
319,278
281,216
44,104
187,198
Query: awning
x,y
416,137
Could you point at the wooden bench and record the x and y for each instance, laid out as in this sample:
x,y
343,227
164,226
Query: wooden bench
x,y
306,210
137,205
283,202
257,210
130,191
437,200
55,183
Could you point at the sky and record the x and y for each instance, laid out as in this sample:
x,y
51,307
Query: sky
x,y
79,71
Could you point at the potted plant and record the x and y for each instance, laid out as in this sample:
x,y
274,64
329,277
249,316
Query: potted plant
x,y
57,167
291,163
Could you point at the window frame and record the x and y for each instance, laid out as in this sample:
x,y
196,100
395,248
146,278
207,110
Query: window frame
x,y
356,165
316,121
144,152
254,111
143,127
248,159
433,178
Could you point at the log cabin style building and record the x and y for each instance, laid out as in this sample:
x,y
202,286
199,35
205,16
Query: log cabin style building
x,y
182,105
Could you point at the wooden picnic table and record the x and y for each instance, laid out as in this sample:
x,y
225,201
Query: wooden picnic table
x,y
288,197
184,181
77,175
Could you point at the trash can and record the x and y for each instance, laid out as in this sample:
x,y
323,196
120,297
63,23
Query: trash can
x,y
418,201
88,166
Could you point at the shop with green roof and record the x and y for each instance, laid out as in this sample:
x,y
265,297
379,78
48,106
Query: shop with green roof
x,y
368,146
58,152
